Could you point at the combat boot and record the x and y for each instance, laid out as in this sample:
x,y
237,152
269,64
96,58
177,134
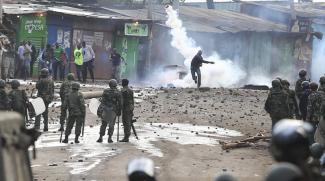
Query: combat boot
x,y
110,139
65,140
45,129
76,139
100,139
125,139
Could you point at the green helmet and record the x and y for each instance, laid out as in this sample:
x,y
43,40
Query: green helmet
x,y
302,73
70,76
2,83
44,72
75,86
276,83
112,83
15,84
316,150
313,86
285,83
225,177
305,84
322,80
284,171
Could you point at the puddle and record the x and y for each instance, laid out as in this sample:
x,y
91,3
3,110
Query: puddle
x,y
184,134
88,154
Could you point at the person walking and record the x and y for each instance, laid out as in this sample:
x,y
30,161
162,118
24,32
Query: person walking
x,y
75,104
20,60
78,61
45,88
88,61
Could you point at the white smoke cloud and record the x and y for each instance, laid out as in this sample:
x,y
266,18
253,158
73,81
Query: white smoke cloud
x,y
224,73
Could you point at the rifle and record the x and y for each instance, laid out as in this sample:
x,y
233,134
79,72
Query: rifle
x,y
133,129
61,136
83,127
118,128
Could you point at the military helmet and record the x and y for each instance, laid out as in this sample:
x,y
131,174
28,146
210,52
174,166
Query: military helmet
x,y
70,76
225,177
290,140
141,169
15,84
284,172
313,86
317,150
302,73
44,72
305,84
2,83
276,83
75,86
112,83
322,80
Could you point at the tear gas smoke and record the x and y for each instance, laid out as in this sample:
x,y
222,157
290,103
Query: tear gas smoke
x,y
318,63
224,73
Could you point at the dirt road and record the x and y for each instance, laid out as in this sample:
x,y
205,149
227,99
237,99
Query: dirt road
x,y
178,128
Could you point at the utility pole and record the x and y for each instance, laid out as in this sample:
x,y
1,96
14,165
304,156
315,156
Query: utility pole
x,y
150,18
1,11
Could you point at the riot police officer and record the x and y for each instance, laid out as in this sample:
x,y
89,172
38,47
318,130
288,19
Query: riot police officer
x,y
45,87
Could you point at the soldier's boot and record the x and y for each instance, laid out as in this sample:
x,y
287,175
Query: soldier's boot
x,y
110,139
195,80
45,124
76,139
100,139
45,129
125,139
66,139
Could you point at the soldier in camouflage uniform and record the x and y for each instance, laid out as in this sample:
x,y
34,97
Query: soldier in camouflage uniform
x,y
314,107
3,96
293,105
303,103
109,108
75,104
277,103
322,84
127,110
45,87
18,99
298,89
64,91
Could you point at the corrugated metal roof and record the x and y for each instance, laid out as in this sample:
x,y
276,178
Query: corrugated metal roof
x,y
36,8
306,10
207,20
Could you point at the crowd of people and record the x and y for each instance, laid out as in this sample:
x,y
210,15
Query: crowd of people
x,y
20,62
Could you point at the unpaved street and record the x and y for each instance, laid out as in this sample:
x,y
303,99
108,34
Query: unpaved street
x,y
179,129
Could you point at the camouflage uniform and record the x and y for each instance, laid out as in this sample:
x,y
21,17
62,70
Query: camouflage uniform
x,y
75,104
298,88
127,111
65,89
3,97
314,107
18,101
45,87
293,105
277,104
109,108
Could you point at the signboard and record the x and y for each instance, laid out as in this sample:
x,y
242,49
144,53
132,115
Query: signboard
x,y
135,29
33,25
